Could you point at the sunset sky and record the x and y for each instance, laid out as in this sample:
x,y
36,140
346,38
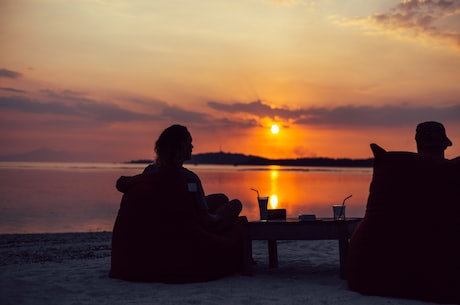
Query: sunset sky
x,y
102,78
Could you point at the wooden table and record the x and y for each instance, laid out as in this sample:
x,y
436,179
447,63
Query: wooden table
x,y
293,229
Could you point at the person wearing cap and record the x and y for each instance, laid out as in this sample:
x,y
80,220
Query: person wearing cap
x,y
431,139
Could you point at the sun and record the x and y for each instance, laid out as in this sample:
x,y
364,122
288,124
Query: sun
x,y
275,129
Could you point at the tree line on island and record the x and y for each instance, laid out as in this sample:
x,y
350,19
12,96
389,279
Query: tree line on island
x,y
222,158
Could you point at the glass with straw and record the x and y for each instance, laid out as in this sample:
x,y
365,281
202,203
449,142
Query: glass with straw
x,y
263,205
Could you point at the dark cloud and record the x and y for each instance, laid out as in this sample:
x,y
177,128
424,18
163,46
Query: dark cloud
x,y
378,116
181,115
77,105
14,90
84,107
226,123
9,73
257,108
206,121
24,104
64,94
365,116
110,113
424,17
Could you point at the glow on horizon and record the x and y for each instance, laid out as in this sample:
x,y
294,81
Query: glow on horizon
x,y
101,79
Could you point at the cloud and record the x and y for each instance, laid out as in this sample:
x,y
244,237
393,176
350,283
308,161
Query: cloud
x,y
10,74
427,18
68,104
181,115
206,121
14,90
256,108
84,108
379,116
353,116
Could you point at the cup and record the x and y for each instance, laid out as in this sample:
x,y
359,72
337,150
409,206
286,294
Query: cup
x,y
339,212
263,203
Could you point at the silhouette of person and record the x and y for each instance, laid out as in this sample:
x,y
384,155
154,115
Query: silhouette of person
x,y
173,147
431,139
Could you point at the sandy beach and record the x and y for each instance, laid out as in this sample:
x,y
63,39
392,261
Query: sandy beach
x,y
73,268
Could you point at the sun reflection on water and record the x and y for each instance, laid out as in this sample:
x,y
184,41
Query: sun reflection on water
x,y
299,190
80,197
273,203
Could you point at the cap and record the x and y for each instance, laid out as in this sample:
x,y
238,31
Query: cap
x,y
432,134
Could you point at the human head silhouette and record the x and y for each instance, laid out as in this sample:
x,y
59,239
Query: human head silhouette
x,y
173,146
431,139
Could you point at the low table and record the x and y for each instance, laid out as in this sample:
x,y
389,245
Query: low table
x,y
293,229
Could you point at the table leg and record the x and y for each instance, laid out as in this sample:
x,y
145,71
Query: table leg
x,y
247,256
273,253
343,249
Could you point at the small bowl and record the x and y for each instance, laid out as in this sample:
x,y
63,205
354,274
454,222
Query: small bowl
x,y
307,217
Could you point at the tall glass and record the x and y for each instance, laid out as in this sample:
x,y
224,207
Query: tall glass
x,y
263,205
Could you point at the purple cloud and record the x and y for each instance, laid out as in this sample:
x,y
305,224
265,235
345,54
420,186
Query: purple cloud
x,y
14,90
257,108
70,104
436,19
419,14
84,108
345,115
9,74
181,115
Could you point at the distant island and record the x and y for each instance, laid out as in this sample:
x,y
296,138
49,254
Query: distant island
x,y
217,158
222,158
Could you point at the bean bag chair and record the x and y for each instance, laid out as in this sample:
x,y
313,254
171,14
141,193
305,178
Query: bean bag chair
x,y
408,244
157,237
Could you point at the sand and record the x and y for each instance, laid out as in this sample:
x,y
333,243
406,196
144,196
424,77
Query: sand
x,y
73,269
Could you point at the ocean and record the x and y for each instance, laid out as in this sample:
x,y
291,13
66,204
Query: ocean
x,y
52,197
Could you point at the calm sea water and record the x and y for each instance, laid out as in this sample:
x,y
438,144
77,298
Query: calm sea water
x,y
40,197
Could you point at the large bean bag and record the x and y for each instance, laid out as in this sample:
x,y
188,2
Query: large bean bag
x,y
157,237
408,244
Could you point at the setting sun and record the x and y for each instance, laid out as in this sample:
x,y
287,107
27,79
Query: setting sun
x,y
275,129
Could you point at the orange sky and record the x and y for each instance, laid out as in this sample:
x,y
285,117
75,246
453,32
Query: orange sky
x,y
101,79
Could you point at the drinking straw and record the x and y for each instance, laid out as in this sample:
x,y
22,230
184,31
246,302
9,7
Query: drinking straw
x,y
256,192
343,204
